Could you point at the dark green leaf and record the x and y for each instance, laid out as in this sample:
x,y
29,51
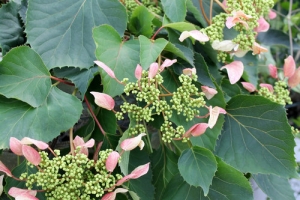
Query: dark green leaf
x,y
23,10
275,187
256,137
250,68
59,113
61,31
24,76
197,166
121,57
230,90
175,10
11,31
141,22
181,26
193,9
150,50
181,51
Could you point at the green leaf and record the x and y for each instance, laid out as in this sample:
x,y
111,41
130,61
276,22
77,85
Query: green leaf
x,y
250,68
23,10
141,22
150,50
193,9
143,185
203,74
275,187
200,160
175,10
121,57
59,112
181,51
230,90
80,77
11,28
61,31
24,76
164,163
181,26
256,137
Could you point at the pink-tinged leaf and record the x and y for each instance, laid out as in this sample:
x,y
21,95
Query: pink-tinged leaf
x,y
78,141
106,68
15,192
263,25
209,92
257,49
138,72
289,67
104,100
214,114
272,14
140,171
26,197
132,143
236,18
273,71
234,71
15,146
90,143
184,35
153,69
1,184
196,130
230,22
37,143
240,53
112,195
197,35
5,170
124,179
31,155
189,71
222,111
225,45
112,161
268,86
294,80
248,86
167,63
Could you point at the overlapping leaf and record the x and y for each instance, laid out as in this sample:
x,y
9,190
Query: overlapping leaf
x,y
256,137
24,76
61,31
175,10
141,22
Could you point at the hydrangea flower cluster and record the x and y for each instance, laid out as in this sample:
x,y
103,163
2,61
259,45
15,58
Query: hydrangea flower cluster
x,y
72,176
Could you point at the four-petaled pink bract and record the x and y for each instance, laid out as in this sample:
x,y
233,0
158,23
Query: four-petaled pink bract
x,y
234,71
132,143
112,161
104,100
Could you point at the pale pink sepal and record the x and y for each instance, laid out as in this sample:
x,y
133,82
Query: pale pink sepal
x,y
248,86
214,114
153,69
197,35
167,63
132,143
136,173
1,184
209,92
5,170
22,194
236,18
225,45
189,71
104,100
196,130
263,25
272,14
109,71
289,67
294,80
112,161
273,71
15,146
112,195
258,49
37,143
234,71
138,72
268,86
31,155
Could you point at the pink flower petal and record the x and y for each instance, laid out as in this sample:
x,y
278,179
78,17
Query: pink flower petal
x,y
124,179
131,143
15,192
257,49
268,86
4,169
31,155
112,195
214,114
263,25
153,69
37,143
234,71
248,86
138,72
112,161
197,35
230,22
15,146
89,143
294,80
209,92
289,67
273,71
225,45
272,14
78,141
140,171
26,197
105,68
167,63
196,130
104,100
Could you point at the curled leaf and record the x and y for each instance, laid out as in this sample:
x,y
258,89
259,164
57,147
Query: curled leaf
x,y
225,45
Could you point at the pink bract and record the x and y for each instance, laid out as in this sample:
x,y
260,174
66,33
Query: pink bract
x,y
109,71
248,86
196,130
234,71
209,92
294,80
263,25
136,173
272,14
236,18
289,67
104,100
22,194
39,144
197,35
31,155
257,49
15,146
273,71
132,143
4,169
138,72
167,63
112,161
268,86
112,195
214,113
153,69
79,142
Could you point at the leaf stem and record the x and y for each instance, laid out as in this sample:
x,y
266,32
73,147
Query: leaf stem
x,y
61,80
210,11
221,5
71,142
148,138
290,28
203,12
158,30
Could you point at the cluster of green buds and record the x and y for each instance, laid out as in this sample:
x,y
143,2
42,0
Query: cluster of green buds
x,y
74,175
153,98
152,5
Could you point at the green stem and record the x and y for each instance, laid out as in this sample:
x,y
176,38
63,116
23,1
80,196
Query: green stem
x,y
148,138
